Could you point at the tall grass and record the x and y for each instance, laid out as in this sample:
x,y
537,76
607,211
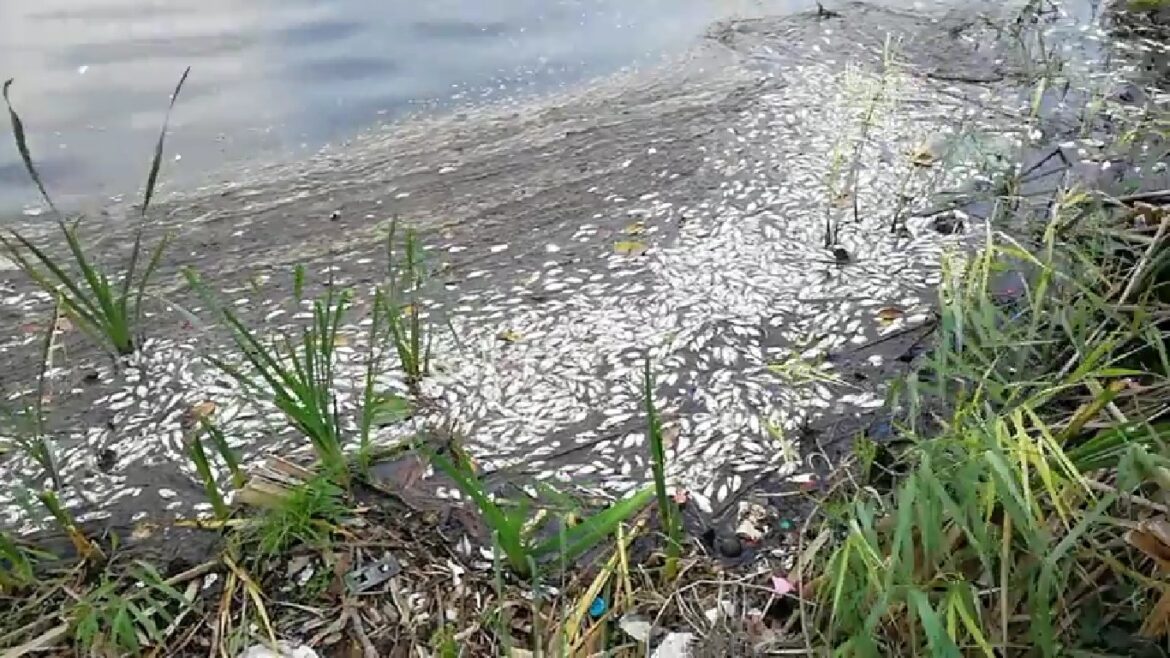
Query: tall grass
x,y
1006,525
109,311
400,306
296,375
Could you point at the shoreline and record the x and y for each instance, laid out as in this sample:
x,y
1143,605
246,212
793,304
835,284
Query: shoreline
x,y
569,182
724,292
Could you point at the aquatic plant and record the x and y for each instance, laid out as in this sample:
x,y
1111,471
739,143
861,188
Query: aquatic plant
x,y
400,306
86,548
297,375
210,486
26,427
110,312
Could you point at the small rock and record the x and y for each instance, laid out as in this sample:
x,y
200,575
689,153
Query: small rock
x,y
752,521
635,627
283,650
724,610
730,546
107,460
948,223
675,645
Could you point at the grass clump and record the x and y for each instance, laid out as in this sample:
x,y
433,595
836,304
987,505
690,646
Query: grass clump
x,y
108,310
1024,508
297,375
400,306
306,515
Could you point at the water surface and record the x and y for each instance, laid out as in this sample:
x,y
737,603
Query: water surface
x,y
273,78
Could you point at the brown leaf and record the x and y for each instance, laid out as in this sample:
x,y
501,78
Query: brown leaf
x,y
508,336
889,314
1151,544
143,530
197,412
922,157
1158,621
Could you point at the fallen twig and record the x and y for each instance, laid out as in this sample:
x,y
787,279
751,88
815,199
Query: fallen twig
x,y
355,620
43,641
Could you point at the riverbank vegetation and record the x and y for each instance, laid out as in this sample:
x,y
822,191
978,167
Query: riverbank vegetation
x,y
1014,502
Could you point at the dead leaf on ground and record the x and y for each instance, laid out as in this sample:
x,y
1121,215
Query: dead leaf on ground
x,y
143,530
637,228
508,336
1152,537
889,314
922,157
203,410
629,248
1146,214
670,434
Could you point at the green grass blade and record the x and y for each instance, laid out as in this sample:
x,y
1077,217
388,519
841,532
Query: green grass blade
x,y
225,451
22,147
156,162
507,529
594,529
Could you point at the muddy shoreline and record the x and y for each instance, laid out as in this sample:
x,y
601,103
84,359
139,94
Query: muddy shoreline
x,y
687,150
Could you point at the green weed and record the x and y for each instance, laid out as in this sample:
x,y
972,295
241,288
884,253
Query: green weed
x,y
410,337
85,547
307,515
106,620
518,528
210,486
297,376
668,510
109,311
998,533
18,563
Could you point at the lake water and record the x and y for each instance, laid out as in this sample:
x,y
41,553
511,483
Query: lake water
x,y
274,78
